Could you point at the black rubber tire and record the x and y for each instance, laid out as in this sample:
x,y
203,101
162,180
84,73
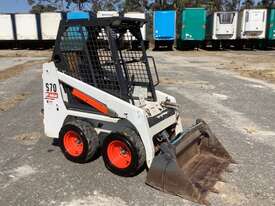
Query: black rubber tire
x,y
170,46
88,136
134,143
216,45
156,46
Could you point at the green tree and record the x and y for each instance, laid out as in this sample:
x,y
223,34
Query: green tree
x,y
248,4
266,4
135,5
96,5
211,5
42,8
231,5
38,6
105,5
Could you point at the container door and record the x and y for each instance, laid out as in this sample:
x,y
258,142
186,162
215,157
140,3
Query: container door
x,y
26,27
6,31
271,25
49,25
164,25
254,20
193,24
136,15
225,23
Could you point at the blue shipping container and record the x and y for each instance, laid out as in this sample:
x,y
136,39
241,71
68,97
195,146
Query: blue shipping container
x,y
79,33
164,25
78,15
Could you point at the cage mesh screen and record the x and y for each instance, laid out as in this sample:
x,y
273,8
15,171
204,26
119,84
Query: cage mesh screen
x,y
132,58
133,61
88,58
110,58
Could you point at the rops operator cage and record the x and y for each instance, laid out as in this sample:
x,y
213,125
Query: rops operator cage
x,y
100,52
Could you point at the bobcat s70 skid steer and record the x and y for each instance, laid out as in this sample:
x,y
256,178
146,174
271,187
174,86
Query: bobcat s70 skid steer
x,y
99,93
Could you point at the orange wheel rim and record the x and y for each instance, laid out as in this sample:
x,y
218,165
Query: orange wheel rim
x,y
119,154
73,143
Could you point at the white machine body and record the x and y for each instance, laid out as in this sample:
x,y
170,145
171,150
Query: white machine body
x,y
253,24
55,111
225,25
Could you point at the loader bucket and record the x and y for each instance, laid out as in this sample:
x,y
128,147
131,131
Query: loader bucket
x,y
190,165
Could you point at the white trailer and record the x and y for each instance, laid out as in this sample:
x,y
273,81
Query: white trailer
x,y
128,36
103,14
49,25
253,24
26,27
138,15
6,29
224,25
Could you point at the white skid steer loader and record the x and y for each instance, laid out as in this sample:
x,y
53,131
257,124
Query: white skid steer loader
x,y
99,93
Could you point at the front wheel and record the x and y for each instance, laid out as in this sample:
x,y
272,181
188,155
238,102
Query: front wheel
x,y
123,153
78,141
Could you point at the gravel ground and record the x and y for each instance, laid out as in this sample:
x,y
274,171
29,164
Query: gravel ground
x,y
239,109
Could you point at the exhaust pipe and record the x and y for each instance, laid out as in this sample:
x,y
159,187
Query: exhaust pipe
x,y
190,165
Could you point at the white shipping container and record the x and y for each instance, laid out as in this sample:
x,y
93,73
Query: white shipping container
x,y
6,30
225,25
49,25
253,24
137,15
103,14
26,27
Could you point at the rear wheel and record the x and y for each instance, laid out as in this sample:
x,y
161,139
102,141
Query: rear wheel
x,y
156,45
216,45
78,141
170,46
123,153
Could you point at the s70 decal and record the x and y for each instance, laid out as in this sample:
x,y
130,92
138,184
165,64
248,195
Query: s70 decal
x,y
51,92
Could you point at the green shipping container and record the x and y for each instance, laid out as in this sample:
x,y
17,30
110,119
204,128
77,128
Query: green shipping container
x,y
193,22
192,27
271,25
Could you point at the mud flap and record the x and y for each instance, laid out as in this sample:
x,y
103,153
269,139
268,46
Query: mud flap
x,y
189,165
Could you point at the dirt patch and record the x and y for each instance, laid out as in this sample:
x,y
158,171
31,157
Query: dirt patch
x,y
18,69
253,65
171,80
28,138
266,74
230,194
166,80
250,130
25,53
189,84
10,103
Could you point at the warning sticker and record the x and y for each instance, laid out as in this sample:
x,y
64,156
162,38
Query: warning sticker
x,y
51,92
51,96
